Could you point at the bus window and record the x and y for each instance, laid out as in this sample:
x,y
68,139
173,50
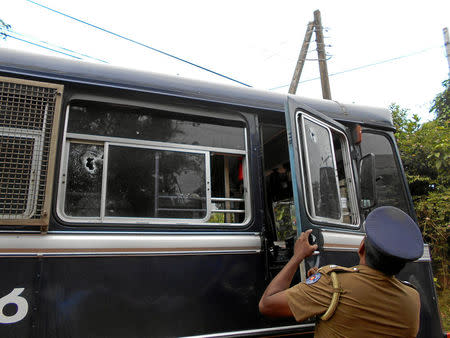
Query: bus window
x,y
128,165
389,186
330,192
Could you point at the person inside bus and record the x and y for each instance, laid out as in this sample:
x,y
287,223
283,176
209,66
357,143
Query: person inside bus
x,y
362,301
279,185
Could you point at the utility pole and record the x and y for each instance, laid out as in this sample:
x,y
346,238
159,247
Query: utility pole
x,y
301,59
315,26
326,93
447,48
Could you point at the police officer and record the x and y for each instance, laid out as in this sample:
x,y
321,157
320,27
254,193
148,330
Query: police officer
x,y
362,301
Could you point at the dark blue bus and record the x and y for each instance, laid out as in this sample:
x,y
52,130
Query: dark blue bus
x,y
135,204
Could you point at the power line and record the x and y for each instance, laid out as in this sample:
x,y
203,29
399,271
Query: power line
x,y
139,43
52,46
364,66
38,45
6,31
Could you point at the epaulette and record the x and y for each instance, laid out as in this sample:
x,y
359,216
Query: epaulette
x,y
330,268
408,284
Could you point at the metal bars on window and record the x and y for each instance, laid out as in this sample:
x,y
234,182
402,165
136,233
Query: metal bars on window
x,y
29,115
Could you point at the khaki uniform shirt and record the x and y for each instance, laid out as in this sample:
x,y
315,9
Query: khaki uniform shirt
x,y
371,305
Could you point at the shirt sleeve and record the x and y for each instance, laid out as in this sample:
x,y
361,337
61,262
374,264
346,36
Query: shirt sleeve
x,y
416,325
308,300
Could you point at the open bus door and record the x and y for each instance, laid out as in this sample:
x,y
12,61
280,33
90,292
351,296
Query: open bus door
x,y
323,182
332,197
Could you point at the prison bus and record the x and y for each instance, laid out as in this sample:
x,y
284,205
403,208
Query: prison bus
x,y
136,204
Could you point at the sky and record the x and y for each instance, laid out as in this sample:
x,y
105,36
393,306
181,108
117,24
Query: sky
x,y
380,52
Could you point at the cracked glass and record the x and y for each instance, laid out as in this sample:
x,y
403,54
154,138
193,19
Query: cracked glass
x,y
84,180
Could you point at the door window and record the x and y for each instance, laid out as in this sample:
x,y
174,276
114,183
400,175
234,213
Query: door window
x,y
328,178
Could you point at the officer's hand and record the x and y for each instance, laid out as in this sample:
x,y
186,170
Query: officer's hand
x,y
312,271
302,248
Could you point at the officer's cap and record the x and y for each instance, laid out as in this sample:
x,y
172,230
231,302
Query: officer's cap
x,y
394,233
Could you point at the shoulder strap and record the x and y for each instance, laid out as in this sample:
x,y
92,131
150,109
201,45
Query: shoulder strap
x,y
334,299
332,269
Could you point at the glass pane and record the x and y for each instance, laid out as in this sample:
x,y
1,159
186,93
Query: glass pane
x,y
227,175
153,125
322,171
84,180
343,170
227,185
155,183
388,177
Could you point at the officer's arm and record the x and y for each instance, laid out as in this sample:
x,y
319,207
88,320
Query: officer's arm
x,y
273,302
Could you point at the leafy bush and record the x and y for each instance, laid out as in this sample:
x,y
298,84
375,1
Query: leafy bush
x,y
425,153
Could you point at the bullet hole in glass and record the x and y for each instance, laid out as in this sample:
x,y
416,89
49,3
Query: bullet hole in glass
x,y
90,163
91,160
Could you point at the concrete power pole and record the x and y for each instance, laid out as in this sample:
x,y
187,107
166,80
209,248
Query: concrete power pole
x,y
326,93
315,26
301,59
447,48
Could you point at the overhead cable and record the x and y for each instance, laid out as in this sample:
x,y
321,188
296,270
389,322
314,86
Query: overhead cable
x,y
39,45
53,47
364,66
139,43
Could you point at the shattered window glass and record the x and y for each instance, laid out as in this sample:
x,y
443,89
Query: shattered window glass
x,y
84,180
153,183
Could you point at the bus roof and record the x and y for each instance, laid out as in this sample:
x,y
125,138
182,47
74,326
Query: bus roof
x,y
70,71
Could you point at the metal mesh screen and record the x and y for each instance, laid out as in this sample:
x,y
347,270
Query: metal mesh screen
x,y
15,167
26,118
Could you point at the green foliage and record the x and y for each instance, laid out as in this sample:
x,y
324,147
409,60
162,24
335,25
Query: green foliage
x,y
285,222
441,104
425,153
433,213
444,306
403,125
217,218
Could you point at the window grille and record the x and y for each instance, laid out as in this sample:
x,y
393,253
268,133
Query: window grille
x,y
29,115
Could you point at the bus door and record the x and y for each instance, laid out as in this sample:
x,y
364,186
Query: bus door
x,y
323,182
